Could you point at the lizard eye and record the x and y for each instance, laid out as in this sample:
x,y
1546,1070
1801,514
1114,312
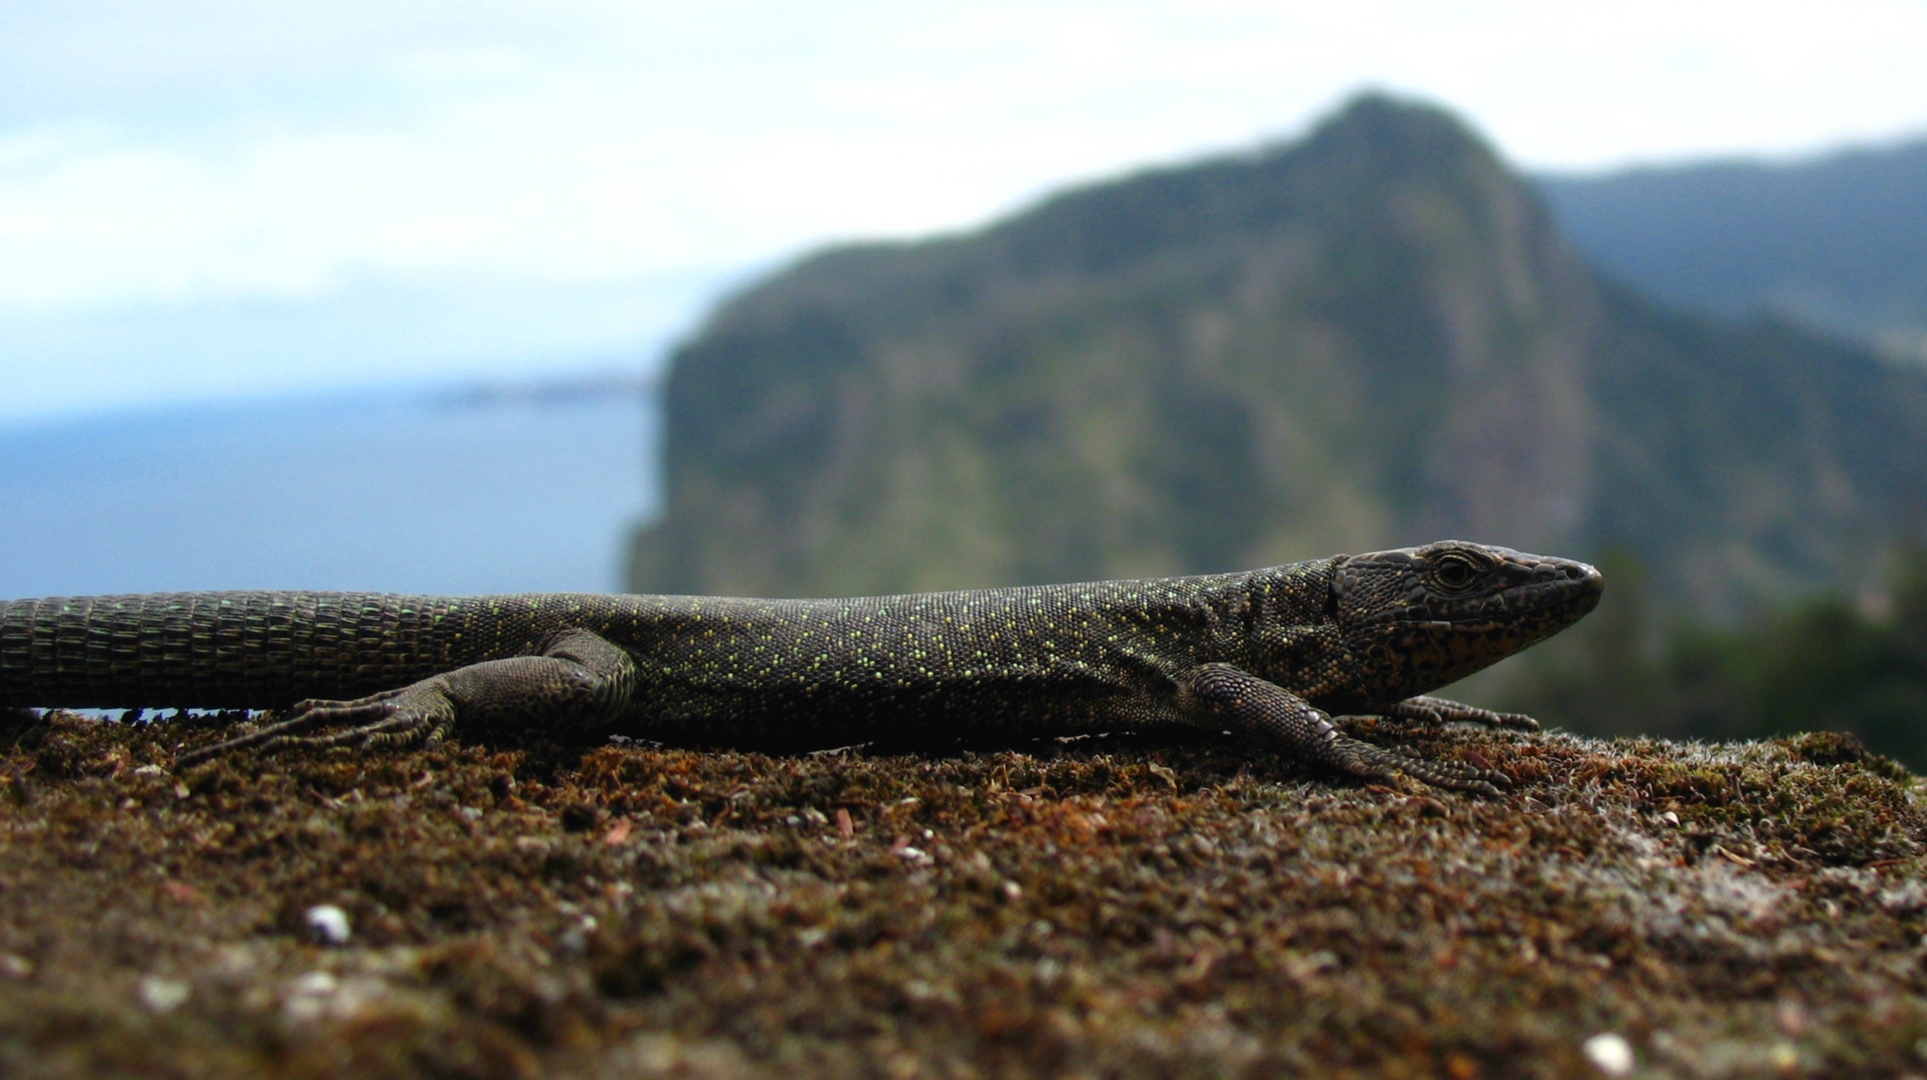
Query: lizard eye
x,y
1453,573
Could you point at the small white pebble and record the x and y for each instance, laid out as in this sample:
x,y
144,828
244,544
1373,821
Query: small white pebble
x,y
575,939
149,770
327,924
472,813
163,995
1611,1053
314,984
15,967
1671,818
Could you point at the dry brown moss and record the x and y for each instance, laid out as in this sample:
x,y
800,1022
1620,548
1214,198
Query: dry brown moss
x,y
1097,908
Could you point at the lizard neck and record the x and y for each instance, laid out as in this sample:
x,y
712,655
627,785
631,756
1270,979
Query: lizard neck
x,y
1278,624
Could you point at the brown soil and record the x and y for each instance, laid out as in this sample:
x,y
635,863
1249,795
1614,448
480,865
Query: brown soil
x,y
1095,908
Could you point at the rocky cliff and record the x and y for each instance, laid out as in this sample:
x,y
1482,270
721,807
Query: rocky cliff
x,y
1374,336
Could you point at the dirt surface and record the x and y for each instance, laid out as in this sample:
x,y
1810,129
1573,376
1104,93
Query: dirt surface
x,y
1108,907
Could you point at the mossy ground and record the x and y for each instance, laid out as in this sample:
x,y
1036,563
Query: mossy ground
x,y
1106,907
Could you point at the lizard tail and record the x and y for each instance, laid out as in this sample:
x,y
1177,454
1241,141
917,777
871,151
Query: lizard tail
x,y
212,649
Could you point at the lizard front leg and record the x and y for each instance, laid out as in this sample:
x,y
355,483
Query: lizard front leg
x,y
581,681
1223,695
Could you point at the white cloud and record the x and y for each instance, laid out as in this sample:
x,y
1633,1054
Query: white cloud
x,y
203,153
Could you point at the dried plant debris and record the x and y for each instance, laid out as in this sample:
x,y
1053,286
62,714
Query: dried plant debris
x,y
1105,907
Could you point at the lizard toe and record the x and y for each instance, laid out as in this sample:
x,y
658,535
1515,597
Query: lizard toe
x,y
397,729
1365,759
262,737
1520,721
389,718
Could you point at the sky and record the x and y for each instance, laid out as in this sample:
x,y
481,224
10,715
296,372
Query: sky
x,y
222,198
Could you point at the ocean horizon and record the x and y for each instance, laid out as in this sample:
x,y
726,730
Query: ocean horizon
x,y
459,488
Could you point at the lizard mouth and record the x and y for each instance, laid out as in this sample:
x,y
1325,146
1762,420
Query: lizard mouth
x,y
1567,598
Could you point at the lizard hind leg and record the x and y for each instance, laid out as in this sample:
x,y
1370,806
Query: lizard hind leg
x,y
580,683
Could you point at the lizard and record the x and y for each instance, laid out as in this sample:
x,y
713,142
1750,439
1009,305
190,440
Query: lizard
x,y
1271,655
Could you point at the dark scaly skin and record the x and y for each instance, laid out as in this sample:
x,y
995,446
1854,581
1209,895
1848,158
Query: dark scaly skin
x,y
1269,654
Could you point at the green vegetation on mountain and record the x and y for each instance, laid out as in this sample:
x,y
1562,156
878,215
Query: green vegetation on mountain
x,y
1371,337
1838,243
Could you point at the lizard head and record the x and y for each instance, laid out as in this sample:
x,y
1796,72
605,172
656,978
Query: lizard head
x,y
1417,618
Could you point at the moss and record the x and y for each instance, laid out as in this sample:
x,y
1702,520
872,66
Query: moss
x,y
1100,907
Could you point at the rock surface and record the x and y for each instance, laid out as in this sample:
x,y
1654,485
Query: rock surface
x,y
1103,907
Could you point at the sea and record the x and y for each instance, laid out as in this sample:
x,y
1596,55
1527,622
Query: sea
x,y
456,489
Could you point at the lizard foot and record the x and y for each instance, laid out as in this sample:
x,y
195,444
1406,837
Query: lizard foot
x,y
420,713
1222,695
1437,710
1365,759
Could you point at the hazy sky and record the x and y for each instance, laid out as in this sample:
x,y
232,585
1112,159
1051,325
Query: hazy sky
x,y
207,198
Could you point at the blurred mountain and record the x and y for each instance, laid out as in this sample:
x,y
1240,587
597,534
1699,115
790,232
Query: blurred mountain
x,y
1372,337
1839,243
